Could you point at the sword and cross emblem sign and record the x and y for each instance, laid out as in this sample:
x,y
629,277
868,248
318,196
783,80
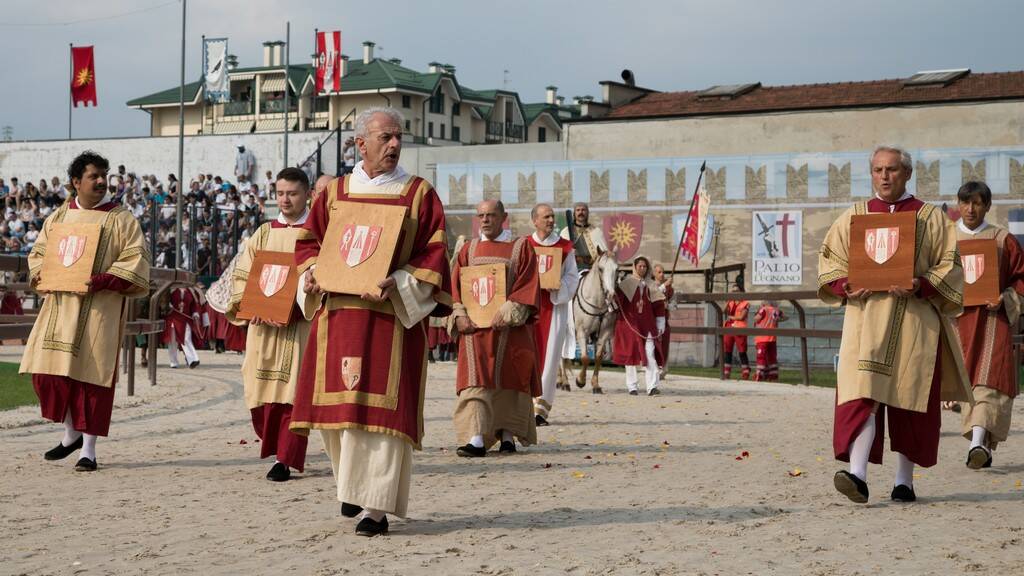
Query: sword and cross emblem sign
x,y
70,249
358,243
881,243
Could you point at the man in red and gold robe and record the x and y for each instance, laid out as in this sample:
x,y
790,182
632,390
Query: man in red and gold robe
x,y
639,326
899,354
986,331
552,318
497,376
73,348
363,374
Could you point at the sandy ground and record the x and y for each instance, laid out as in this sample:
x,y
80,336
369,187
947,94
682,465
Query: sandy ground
x,y
618,485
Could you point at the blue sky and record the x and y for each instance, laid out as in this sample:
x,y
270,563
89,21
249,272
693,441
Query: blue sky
x,y
681,45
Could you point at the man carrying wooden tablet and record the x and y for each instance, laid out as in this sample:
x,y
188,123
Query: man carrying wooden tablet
x,y
90,257
892,260
375,244
263,293
496,290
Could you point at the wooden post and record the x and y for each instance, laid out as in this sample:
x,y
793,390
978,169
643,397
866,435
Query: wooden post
x,y
130,356
804,363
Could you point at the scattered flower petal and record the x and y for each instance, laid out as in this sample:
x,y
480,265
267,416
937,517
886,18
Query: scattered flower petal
x,y
579,474
795,472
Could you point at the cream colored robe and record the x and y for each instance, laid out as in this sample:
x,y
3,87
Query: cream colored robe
x,y
270,369
889,344
79,335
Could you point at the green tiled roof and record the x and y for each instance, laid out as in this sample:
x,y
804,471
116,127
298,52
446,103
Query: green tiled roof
x,y
532,111
169,96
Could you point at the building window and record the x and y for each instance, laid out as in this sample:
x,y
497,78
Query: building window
x,y
442,131
542,134
408,126
455,109
456,134
406,101
430,129
437,103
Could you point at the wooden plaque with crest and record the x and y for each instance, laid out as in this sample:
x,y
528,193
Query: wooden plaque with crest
x,y
980,260
359,247
271,287
70,255
882,251
549,266
482,289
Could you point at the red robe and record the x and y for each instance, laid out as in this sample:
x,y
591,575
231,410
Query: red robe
x,y
90,405
11,303
914,434
182,308
986,337
362,369
543,325
501,359
637,319
220,329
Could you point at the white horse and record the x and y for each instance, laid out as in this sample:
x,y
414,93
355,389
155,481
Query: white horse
x,y
594,314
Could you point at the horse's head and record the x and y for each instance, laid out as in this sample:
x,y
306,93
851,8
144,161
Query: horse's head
x,y
607,268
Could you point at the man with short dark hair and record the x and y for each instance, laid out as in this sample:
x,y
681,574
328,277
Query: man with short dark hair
x,y
73,348
900,353
986,332
274,350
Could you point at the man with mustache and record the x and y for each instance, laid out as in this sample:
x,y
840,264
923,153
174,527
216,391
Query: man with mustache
x,y
72,350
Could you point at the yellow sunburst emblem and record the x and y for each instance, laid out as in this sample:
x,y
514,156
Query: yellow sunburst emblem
x,y
622,234
83,77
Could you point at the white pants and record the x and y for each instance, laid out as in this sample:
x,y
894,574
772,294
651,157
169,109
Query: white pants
x,y
552,359
186,346
650,371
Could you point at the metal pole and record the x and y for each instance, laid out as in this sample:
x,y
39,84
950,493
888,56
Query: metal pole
x,y
202,85
687,224
71,71
337,152
287,100
154,227
214,241
181,146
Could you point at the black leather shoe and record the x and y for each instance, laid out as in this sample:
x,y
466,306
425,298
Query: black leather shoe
x,y
507,447
541,421
470,451
850,486
85,465
350,510
633,393
370,528
903,493
978,458
193,364
60,451
653,392
279,473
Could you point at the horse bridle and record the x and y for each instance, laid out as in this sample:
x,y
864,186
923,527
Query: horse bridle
x,y
601,312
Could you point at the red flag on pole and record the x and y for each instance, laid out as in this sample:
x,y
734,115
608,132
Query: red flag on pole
x,y
696,224
83,76
328,62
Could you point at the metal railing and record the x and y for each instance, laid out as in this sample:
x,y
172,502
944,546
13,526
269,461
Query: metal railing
x,y
276,106
238,108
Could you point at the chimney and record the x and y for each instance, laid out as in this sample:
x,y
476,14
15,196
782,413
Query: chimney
x,y
552,94
368,52
395,61
232,61
344,65
272,53
560,100
449,69
434,67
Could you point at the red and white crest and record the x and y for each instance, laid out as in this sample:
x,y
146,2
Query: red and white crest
x,y
272,278
71,249
483,289
974,267
358,242
881,243
545,262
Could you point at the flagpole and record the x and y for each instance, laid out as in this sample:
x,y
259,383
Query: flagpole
x,y
687,225
202,85
71,70
287,100
181,148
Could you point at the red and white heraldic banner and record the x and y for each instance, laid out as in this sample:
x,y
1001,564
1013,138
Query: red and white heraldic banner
x,y
328,62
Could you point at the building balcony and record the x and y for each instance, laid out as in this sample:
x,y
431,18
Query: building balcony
x,y
507,132
277,107
239,108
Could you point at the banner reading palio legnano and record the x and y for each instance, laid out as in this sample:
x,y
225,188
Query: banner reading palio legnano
x,y
83,76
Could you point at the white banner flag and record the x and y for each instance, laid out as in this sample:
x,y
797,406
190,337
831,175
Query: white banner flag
x,y
215,68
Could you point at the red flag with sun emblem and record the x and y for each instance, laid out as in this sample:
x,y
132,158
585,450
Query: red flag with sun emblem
x,y
623,232
83,76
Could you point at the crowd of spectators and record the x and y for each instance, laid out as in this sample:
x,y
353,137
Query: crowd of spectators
x,y
225,213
